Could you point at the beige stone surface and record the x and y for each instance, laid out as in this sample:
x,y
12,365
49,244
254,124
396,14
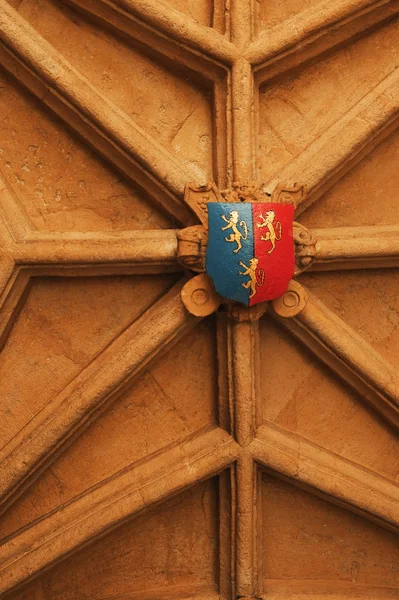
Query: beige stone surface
x,y
273,12
343,546
151,552
369,302
64,325
178,115
199,10
308,399
156,443
62,184
365,196
153,414
298,110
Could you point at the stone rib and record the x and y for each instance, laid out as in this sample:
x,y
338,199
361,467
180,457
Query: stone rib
x,y
311,34
82,400
140,18
348,354
107,505
364,491
345,143
140,251
47,74
341,248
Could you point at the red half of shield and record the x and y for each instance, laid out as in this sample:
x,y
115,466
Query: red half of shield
x,y
274,248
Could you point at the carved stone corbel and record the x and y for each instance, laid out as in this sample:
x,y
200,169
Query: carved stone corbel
x,y
246,191
305,248
241,313
284,194
197,199
192,243
292,302
200,297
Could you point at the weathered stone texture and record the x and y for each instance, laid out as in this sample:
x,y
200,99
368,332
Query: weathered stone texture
x,y
157,443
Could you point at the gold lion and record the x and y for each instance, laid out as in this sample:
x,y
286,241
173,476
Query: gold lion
x,y
274,233
236,235
253,273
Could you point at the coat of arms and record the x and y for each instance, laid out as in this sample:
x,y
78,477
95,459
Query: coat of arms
x,y
245,245
250,255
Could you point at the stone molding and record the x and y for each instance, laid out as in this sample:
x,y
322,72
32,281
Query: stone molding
x,y
230,65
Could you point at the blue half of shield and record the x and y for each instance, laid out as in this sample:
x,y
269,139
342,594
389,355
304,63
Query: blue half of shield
x,y
230,242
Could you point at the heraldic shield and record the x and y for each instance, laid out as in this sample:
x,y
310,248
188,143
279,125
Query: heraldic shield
x,y
250,255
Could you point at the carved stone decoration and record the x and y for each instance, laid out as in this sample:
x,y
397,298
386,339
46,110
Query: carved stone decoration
x,y
147,449
242,314
250,255
292,302
247,191
197,199
305,248
199,296
296,194
192,243
264,229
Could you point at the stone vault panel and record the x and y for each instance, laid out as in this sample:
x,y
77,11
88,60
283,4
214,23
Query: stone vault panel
x,y
63,325
368,301
366,195
315,541
155,412
199,10
171,109
295,112
170,549
61,184
274,12
304,396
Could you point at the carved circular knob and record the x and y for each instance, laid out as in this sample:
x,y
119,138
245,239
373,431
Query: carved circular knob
x,y
200,297
291,299
292,302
